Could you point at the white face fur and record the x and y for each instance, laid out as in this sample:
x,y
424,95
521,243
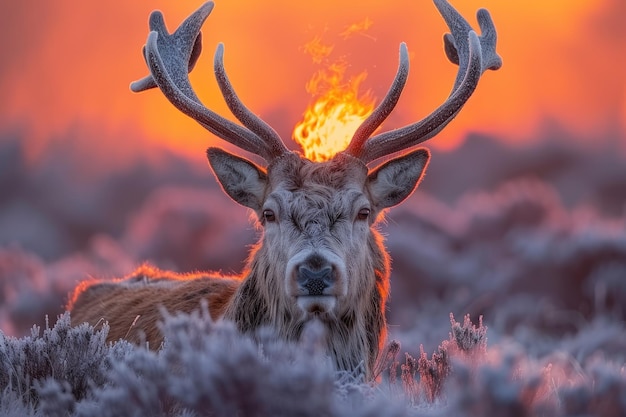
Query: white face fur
x,y
317,220
322,234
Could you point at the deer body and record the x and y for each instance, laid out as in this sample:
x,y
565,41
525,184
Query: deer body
x,y
132,306
323,213
320,257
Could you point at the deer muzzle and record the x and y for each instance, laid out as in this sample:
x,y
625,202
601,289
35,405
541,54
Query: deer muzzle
x,y
315,281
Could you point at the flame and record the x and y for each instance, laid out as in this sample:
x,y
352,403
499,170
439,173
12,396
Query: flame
x,y
330,121
359,28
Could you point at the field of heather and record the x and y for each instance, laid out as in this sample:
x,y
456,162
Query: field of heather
x,y
530,239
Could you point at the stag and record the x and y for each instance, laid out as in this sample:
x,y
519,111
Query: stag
x,y
320,257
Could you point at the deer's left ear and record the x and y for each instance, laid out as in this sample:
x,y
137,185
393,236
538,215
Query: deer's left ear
x,y
391,183
243,181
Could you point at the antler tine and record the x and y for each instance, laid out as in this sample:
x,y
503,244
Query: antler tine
x,y
274,143
456,43
384,109
170,58
157,23
474,54
399,139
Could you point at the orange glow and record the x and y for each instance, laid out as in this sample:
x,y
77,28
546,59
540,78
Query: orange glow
x,y
69,64
330,121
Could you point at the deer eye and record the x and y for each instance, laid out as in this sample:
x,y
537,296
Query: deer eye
x,y
363,214
268,215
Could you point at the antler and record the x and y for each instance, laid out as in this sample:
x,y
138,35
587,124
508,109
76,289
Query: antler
x,y
472,53
171,57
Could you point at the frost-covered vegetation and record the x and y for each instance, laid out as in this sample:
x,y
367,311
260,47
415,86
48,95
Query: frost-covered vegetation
x,y
209,369
532,240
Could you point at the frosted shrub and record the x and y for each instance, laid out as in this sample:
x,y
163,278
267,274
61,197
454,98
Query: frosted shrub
x,y
423,379
602,393
75,355
208,368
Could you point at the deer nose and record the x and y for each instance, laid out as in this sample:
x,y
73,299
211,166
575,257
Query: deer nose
x,y
315,281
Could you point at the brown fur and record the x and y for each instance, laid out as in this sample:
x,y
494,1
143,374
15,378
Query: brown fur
x,y
132,306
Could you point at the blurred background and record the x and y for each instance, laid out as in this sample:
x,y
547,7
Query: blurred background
x,y
521,216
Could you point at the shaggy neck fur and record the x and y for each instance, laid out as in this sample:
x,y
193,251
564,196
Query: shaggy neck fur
x,y
353,337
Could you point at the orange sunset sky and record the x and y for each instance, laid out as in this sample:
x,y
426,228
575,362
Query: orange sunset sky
x,y
69,63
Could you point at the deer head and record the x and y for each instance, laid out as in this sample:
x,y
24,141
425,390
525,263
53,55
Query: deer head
x,y
320,255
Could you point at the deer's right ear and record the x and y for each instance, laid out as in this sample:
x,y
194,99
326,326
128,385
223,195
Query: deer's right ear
x,y
392,182
242,180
